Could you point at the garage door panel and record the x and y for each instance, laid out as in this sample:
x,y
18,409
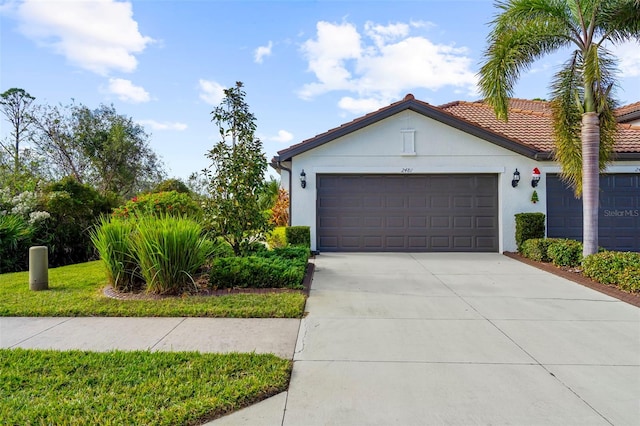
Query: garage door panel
x,y
618,212
408,213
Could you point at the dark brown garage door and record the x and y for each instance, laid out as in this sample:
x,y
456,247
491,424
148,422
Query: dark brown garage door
x,y
407,213
618,213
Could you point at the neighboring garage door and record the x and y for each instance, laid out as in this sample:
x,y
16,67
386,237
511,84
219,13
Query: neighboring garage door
x,y
618,214
407,213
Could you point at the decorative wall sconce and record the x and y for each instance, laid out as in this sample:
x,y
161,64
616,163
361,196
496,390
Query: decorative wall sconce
x,y
516,178
535,177
303,179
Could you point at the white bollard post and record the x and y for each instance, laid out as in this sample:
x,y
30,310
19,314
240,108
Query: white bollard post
x,y
38,268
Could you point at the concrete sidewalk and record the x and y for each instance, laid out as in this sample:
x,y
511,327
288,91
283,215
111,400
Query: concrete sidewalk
x,y
277,336
419,339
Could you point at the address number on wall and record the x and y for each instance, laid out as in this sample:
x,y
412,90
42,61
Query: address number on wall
x,y
406,170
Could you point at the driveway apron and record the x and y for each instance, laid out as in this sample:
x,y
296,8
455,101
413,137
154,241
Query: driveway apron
x,y
430,338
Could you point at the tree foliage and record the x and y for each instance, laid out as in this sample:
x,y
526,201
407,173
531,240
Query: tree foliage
x,y
98,147
236,175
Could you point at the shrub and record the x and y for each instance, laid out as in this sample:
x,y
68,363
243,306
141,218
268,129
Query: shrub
x,y
256,272
298,235
280,210
611,267
170,250
536,249
565,252
171,203
14,243
528,226
299,254
277,238
113,240
172,185
74,209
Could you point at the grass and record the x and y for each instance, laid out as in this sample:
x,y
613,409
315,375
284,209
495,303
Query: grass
x,y
108,388
76,290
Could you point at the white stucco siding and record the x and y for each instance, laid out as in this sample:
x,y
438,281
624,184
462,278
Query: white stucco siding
x,y
378,149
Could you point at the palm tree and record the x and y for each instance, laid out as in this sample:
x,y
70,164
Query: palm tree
x,y
582,102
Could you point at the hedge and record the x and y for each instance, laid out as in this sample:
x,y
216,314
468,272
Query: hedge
x,y
298,235
565,252
528,226
537,248
611,267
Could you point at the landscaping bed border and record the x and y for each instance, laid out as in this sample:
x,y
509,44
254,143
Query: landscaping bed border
x,y
630,298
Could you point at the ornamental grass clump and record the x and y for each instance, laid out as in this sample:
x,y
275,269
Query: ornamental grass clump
x,y
113,239
170,250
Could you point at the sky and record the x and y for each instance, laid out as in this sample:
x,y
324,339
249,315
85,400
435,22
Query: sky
x,y
306,66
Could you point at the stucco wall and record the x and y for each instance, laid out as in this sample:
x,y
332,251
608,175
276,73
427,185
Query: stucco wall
x,y
439,148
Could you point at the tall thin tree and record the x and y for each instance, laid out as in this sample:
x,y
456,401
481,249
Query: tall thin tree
x,y
16,105
582,102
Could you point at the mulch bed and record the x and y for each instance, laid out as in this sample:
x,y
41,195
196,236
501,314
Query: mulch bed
x,y
576,276
203,290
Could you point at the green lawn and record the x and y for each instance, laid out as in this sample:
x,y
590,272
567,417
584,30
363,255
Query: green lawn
x,y
76,290
117,388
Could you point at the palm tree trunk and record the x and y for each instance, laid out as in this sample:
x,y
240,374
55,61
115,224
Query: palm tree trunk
x,y
590,181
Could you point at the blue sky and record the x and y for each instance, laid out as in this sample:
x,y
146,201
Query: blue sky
x,y
307,66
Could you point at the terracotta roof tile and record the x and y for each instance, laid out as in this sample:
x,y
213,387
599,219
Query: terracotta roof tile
x,y
533,127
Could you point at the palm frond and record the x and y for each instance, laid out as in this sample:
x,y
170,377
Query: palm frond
x,y
566,104
522,33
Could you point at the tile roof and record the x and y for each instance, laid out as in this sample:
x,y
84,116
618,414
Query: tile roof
x,y
628,112
530,123
528,131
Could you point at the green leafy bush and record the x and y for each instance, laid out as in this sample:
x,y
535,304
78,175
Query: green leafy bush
x,y
611,267
536,249
279,268
528,226
171,203
565,252
170,250
74,209
298,235
277,238
299,254
114,241
15,235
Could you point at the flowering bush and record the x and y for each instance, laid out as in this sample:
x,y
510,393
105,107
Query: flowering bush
x,y
170,203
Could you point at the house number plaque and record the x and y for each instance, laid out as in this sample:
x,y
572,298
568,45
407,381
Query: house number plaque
x,y
406,170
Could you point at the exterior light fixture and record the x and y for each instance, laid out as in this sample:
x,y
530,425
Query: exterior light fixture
x,y
303,179
535,177
516,178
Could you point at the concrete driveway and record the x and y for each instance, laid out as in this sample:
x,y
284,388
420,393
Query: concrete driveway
x,y
419,339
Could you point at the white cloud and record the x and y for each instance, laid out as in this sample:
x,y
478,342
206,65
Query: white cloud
x,y
628,55
262,51
156,125
126,91
283,137
363,105
211,91
97,35
381,64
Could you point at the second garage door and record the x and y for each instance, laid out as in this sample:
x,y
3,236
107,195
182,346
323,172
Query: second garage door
x,y
407,213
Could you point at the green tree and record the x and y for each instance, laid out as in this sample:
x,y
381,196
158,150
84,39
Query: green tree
x,y
582,102
117,150
16,105
235,177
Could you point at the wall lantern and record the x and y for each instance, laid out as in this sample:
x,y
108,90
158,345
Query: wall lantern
x,y
516,178
535,177
303,179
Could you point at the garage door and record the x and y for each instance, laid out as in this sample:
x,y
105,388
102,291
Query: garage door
x,y
407,213
618,213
